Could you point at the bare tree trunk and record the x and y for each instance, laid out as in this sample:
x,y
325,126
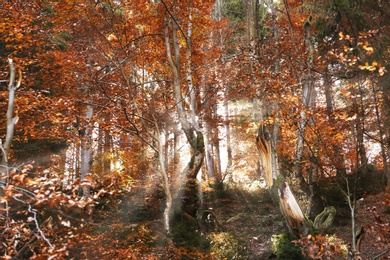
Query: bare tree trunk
x,y
107,151
86,151
209,133
308,99
227,130
166,149
166,185
209,152
217,150
381,134
11,121
274,154
360,131
252,19
187,119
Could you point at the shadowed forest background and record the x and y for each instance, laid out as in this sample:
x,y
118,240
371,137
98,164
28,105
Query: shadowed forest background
x,y
167,129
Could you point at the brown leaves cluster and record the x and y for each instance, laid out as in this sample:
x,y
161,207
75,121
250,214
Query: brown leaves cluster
x,y
322,247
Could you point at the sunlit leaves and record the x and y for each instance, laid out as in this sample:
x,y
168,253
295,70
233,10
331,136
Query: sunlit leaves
x,y
373,67
322,247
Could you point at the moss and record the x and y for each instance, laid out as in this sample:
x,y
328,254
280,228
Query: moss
x,y
186,234
224,245
283,248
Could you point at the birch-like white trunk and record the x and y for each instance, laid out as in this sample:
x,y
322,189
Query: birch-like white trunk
x,y
11,119
86,151
187,119
308,101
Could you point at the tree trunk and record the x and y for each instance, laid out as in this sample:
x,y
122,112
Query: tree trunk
x,y
290,209
86,151
252,20
381,134
11,121
208,118
189,198
227,129
107,151
209,152
166,185
217,151
308,101
360,131
263,142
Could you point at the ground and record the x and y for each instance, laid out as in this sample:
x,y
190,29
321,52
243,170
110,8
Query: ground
x,y
130,227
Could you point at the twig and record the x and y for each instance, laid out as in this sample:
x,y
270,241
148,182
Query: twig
x,y
381,254
31,241
37,226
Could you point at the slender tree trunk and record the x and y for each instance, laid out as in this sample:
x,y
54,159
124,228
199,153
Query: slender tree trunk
x,y
189,124
337,150
227,130
166,185
381,134
175,149
252,20
360,131
11,121
209,133
217,150
166,149
209,152
308,99
274,154
86,151
107,151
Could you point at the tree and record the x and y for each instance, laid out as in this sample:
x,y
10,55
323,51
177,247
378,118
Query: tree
x,y
186,118
11,119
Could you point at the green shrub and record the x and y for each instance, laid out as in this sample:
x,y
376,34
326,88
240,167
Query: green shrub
x,y
186,234
224,245
283,248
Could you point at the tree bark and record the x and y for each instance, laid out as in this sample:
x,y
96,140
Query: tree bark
x,y
86,151
252,20
308,101
217,150
189,198
227,129
263,142
290,208
381,134
166,185
11,121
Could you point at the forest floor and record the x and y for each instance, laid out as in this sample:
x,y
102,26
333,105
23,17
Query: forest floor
x,y
130,227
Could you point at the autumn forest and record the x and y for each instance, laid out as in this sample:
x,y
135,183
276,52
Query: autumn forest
x,y
194,129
